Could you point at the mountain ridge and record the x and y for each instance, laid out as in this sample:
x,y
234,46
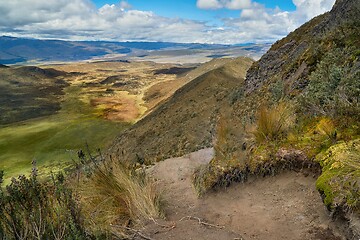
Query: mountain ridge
x,y
294,55
193,109
29,50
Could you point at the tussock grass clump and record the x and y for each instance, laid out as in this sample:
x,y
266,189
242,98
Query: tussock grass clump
x,y
223,145
114,198
273,123
327,128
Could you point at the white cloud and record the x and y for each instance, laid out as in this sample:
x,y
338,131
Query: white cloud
x,y
307,9
81,20
237,4
260,23
230,4
257,23
209,4
24,12
125,5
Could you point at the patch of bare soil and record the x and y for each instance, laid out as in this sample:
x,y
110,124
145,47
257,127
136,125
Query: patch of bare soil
x,y
118,109
286,206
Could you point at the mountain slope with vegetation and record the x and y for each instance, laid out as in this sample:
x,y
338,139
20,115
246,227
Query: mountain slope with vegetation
x,y
293,115
299,109
298,101
185,122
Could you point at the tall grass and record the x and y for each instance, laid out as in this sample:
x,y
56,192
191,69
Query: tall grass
x,y
274,122
113,197
327,128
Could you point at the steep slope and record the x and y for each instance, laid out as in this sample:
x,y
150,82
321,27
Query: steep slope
x,y
308,82
294,57
185,122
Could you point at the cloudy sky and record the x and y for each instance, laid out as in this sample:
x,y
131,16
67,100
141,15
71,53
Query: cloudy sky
x,y
209,21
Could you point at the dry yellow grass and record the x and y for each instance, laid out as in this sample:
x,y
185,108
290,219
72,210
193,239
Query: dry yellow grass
x,y
113,198
327,128
274,122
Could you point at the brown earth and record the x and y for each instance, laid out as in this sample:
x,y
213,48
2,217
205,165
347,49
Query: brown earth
x,y
116,89
283,207
118,109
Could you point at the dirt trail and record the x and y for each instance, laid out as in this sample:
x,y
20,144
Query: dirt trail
x,y
286,206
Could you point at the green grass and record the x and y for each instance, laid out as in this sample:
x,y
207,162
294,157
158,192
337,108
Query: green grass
x,y
54,141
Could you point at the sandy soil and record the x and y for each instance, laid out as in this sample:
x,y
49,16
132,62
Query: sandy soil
x,y
283,207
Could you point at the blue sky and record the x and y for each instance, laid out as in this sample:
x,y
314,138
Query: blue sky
x,y
188,21
179,7
187,8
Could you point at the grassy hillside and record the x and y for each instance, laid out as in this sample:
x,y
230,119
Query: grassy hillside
x,y
186,121
53,114
47,117
53,141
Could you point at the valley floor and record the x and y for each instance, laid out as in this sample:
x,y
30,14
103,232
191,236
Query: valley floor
x,y
286,206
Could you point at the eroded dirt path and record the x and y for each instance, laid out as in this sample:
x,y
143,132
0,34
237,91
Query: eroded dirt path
x,y
286,206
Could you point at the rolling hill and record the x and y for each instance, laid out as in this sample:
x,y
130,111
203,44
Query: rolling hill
x,y
29,92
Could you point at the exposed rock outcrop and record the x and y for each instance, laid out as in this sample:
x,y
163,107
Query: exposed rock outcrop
x,y
292,58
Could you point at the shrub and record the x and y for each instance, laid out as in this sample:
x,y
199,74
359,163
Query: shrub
x,y
333,88
30,209
236,95
273,123
277,90
204,178
349,95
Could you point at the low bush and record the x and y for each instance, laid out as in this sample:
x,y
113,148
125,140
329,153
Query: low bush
x,y
333,88
31,209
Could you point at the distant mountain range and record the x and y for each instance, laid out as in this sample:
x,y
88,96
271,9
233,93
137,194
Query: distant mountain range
x,y
22,50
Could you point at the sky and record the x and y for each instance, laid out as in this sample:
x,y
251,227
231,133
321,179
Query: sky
x,y
186,21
